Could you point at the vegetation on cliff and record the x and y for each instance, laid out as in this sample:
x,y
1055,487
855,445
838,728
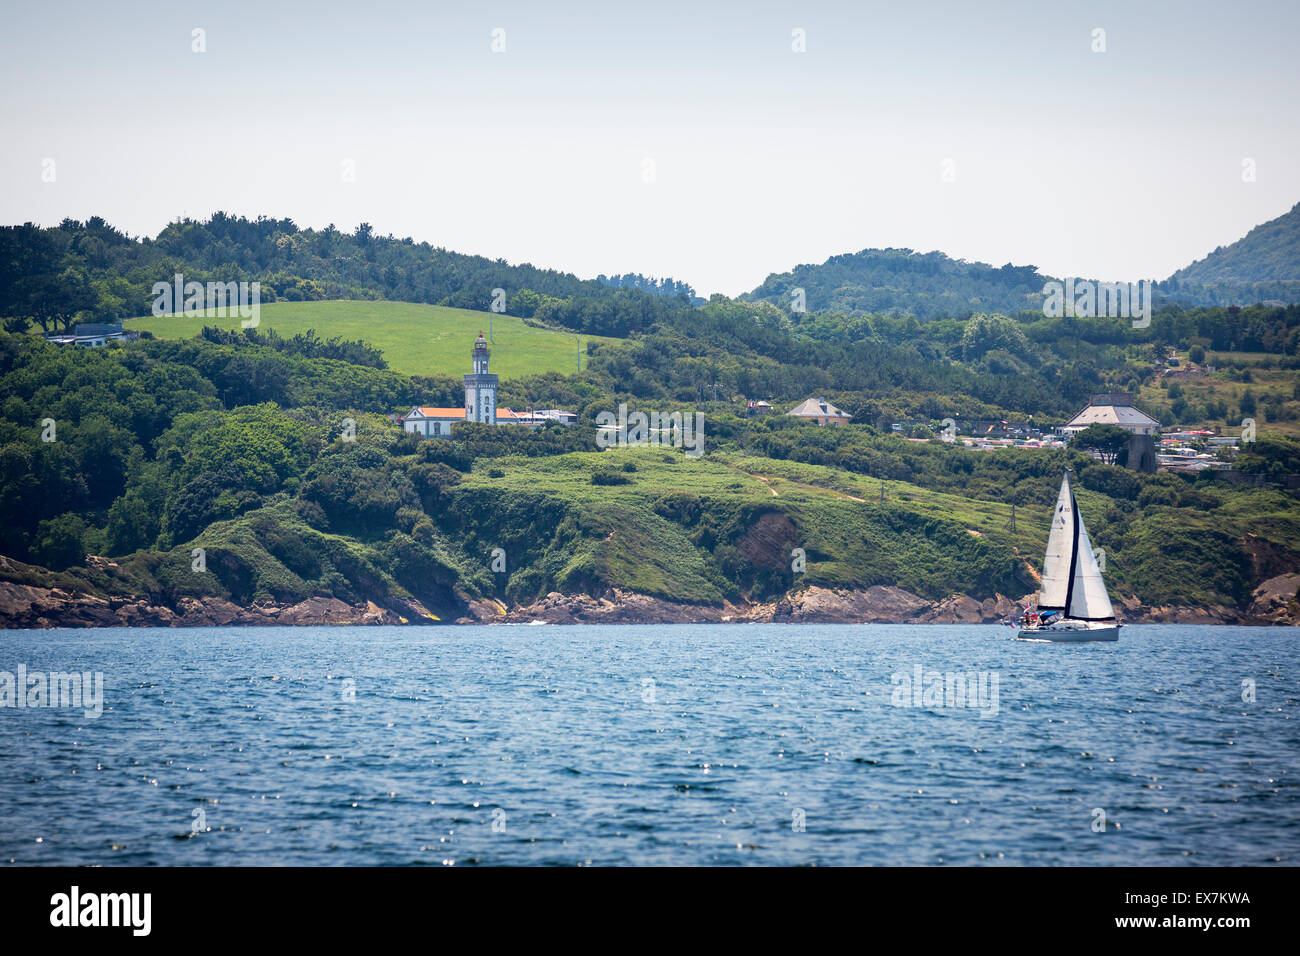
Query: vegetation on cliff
x,y
245,452
272,451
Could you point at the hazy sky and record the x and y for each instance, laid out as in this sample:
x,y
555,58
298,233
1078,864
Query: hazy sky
x,y
1121,164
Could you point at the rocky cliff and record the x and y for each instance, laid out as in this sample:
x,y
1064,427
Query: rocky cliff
x,y
31,606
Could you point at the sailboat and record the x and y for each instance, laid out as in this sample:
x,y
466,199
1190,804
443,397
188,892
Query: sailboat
x,y
1073,604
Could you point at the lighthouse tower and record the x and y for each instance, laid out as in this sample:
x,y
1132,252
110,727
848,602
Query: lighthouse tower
x,y
481,387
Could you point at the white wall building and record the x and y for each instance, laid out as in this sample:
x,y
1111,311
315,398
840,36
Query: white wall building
x,y
481,387
432,422
1113,408
480,405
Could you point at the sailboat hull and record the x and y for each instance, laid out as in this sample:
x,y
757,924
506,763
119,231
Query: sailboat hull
x,y
1071,632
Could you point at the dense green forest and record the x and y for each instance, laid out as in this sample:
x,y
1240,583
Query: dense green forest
x,y
878,366
142,453
81,271
240,442
1263,266
900,281
89,270
1267,254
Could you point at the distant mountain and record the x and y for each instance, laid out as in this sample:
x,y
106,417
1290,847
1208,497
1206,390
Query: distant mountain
x,y
901,281
1263,265
92,270
1268,253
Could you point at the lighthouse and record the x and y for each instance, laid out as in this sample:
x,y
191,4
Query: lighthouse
x,y
481,387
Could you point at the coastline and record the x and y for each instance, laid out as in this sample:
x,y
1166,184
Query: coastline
x,y
1273,603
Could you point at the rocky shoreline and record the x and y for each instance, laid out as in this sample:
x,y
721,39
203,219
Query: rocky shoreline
x,y
1274,603
26,606
23,605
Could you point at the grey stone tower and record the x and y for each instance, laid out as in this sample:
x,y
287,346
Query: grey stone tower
x,y
481,387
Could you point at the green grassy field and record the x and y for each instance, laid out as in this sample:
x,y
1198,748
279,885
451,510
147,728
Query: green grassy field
x,y
930,542
917,538
415,339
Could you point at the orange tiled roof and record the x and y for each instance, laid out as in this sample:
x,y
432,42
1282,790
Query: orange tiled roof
x,y
431,412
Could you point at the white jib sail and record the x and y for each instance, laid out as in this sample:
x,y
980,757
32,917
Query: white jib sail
x,y
1088,597
1056,563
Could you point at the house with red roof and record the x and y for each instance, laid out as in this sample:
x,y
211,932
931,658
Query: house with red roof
x,y
480,405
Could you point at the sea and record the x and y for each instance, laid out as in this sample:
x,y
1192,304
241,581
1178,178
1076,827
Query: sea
x,y
594,745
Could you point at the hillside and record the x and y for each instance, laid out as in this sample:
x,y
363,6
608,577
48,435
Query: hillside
x,y
1268,253
415,339
170,448
90,271
235,446
900,281
1262,266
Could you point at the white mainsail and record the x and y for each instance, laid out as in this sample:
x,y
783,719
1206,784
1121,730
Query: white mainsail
x,y
1056,563
1071,578
1088,597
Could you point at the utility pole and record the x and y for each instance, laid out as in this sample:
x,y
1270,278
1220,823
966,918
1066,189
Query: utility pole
x,y
1013,517
882,491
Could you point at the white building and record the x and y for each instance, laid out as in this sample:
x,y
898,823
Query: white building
x,y
481,387
1112,408
429,421
820,411
480,405
93,335
555,415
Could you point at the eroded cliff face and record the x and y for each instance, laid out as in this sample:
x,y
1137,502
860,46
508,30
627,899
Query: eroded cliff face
x,y
874,605
29,606
23,605
1276,601
812,605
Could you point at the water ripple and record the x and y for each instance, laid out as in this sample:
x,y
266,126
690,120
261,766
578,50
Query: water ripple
x,y
735,745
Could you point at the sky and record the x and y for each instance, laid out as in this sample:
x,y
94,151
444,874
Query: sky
x,y
694,140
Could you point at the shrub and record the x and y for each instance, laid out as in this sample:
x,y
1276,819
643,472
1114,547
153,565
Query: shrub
x,y
58,542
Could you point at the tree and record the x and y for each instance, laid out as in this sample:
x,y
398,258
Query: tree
x,y
132,524
73,295
29,258
984,333
1107,441
58,542
1270,454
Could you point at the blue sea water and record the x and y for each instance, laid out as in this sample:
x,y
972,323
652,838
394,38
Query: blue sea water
x,y
684,744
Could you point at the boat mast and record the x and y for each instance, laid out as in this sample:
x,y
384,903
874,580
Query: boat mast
x,y
1074,547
